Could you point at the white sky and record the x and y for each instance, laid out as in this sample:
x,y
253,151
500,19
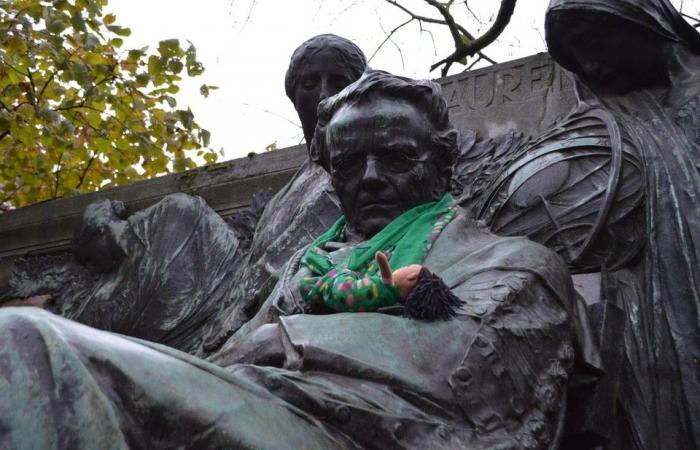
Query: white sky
x,y
245,47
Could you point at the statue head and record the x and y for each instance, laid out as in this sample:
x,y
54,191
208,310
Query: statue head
x,y
622,44
96,240
318,69
388,145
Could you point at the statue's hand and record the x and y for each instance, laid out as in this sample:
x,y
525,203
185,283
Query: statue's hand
x,y
404,278
39,301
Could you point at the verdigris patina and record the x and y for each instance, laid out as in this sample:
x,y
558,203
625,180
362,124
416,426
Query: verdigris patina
x,y
614,188
495,376
645,78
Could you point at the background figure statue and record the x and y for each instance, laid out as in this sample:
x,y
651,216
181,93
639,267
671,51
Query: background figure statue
x,y
307,205
158,274
614,187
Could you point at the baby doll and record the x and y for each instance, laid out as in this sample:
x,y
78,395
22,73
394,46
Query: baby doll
x,y
423,294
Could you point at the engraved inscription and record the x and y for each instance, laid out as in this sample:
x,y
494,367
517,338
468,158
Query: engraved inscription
x,y
542,76
491,88
509,82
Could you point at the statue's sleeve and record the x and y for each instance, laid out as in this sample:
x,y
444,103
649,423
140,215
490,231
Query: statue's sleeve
x,y
512,378
519,307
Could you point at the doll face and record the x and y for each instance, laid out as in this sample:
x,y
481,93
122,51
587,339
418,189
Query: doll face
x,y
382,162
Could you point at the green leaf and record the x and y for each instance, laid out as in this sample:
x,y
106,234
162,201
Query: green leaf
x,y
169,48
56,26
120,31
96,58
103,145
205,136
78,22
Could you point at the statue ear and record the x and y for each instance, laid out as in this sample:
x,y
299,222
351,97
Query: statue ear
x,y
316,153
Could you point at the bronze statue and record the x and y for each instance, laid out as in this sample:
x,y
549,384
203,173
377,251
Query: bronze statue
x,y
494,376
660,291
614,188
162,271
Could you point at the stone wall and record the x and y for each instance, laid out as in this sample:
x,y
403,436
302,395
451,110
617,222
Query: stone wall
x,y
526,94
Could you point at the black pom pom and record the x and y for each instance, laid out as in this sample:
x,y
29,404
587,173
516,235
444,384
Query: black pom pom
x,y
431,299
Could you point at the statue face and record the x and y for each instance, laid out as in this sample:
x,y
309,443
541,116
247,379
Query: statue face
x,y
99,249
382,162
611,52
322,76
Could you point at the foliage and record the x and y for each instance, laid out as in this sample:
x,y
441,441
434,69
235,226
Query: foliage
x,y
77,113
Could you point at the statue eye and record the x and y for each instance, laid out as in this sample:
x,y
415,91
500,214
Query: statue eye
x,y
347,165
399,158
309,82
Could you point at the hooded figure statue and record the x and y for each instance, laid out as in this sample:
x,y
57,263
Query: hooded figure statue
x,y
614,188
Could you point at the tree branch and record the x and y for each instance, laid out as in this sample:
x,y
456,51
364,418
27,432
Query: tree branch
x,y
57,176
466,4
388,38
85,171
43,89
694,19
464,49
458,32
74,106
9,196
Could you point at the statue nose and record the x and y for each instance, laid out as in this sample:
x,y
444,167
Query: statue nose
x,y
323,94
371,172
326,90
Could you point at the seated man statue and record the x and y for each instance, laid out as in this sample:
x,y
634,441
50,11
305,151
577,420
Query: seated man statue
x,y
356,373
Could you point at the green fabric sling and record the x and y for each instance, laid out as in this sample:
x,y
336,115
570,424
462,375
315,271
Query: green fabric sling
x,y
355,284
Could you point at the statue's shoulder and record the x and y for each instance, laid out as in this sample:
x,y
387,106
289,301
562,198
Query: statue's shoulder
x,y
467,246
468,234
180,200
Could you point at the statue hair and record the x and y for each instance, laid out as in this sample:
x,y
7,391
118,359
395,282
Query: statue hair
x,y
349,53
425,95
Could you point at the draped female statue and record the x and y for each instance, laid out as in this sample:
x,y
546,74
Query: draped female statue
x,y
614,187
